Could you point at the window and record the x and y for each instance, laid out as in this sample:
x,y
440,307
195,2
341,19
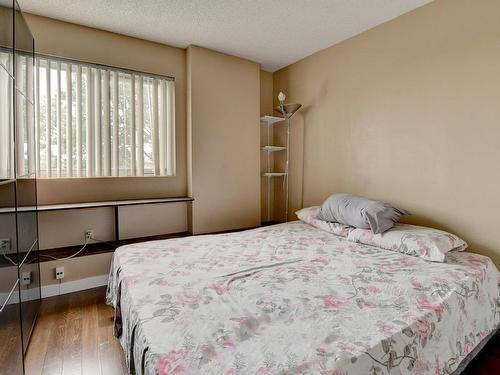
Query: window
x,y
93,121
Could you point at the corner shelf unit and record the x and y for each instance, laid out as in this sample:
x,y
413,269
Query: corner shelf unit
x,y
270,149
287,111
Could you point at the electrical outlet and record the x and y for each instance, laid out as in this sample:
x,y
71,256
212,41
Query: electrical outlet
x,y
59,273
26,278
89,234
4,245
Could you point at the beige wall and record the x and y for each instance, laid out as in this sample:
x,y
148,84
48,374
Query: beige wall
x,y
67,227
407,112
266,93
151,220
76,269
224,107
57,38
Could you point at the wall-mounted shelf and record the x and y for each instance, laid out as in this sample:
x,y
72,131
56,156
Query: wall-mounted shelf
x,y
273,148
115,204
274,174
127,202
72,206
101,247
271,120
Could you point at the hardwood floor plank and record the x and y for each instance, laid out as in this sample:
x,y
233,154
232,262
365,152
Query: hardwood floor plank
x,y
55,351
90,341
74,335
39,342
109,346
72,361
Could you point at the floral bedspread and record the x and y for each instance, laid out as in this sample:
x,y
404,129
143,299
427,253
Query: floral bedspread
x,y
292,299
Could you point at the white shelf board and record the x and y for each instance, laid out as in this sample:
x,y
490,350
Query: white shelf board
x,y
272,148
270,120
274,174
70,206
128,202
5,182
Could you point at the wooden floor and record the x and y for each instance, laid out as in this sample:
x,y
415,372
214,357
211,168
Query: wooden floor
x,y
74,335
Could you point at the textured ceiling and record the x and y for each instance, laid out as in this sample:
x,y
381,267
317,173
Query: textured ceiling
x,y
274,33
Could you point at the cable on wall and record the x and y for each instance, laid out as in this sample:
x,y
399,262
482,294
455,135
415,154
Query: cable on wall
x,y
79,251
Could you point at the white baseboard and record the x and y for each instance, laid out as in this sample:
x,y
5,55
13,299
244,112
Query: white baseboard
x,y
74,286
57,289
26,295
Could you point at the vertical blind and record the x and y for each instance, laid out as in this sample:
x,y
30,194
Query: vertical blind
x,y
92,121
6,117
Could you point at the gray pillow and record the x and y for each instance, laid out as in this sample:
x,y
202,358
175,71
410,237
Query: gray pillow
x,y
360,212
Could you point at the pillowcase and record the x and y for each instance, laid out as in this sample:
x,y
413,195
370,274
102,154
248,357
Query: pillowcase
x,y
360,212
427,243
309,215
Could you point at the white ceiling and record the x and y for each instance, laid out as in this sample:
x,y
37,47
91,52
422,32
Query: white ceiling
x,y
274,33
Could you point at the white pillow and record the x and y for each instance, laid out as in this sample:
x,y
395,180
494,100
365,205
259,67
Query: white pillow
x,y
309,215
427,243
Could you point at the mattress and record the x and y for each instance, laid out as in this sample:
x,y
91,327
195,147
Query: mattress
x,y
292,299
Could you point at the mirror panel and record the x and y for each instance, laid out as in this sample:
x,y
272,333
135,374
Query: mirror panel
x,y
11,352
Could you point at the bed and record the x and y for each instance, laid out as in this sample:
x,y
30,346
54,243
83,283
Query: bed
x,y
293,299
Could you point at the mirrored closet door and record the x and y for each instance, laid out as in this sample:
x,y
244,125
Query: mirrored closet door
x,y
19,257
27,222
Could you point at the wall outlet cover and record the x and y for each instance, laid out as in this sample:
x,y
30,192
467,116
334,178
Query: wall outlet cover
x,y
59,273
89,234
26,278
5,245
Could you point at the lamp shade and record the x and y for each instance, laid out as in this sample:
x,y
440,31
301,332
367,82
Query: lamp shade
x,y
287,110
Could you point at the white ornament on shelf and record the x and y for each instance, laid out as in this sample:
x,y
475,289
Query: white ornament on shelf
x,y
281,97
